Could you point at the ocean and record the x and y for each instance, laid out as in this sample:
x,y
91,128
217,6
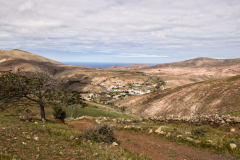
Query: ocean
x,y
100,64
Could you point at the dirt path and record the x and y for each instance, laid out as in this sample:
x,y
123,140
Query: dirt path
x,y
156,148
80,125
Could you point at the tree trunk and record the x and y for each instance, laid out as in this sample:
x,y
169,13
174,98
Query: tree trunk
x,y
43,118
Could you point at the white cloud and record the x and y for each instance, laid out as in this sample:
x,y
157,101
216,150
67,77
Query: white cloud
x,y
137,27
28,5
140,55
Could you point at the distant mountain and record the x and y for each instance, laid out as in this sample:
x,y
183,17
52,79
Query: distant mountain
x,y
129,67
198,62
13,59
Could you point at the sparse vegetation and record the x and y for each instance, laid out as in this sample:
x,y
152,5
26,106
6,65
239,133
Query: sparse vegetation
x,y
18,140
101,133
200,131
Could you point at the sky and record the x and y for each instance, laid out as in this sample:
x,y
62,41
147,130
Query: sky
x,y
130,31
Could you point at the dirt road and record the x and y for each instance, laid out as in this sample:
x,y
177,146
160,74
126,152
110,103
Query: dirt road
x,y
157,148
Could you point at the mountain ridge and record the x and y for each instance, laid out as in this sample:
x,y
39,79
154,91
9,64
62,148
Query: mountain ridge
x,y
196,62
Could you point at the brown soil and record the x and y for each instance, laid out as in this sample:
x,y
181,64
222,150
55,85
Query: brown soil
x,y
80,125
156,148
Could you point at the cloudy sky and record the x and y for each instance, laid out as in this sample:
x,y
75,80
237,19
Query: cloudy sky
x,y
132,31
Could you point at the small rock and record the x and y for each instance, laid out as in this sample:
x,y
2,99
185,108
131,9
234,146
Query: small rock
x,y
71,137
163,133
179,136
158,130
228,120
35,122
210,141
37,156
188,133
233,130
97,121
36,138
197,141
114,144
168,134
233,146
15,138
95,154
126,127
114,120
28,137
24,143
3,128
189,139
150,131
61,153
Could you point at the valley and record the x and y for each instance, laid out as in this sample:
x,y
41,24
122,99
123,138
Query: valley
x,y
192,105
196,86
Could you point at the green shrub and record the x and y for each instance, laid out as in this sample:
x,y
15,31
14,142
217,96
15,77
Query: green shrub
x,y
59,113
200,131
102,133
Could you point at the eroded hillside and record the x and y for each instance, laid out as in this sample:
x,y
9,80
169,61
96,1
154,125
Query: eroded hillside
x,y
208,97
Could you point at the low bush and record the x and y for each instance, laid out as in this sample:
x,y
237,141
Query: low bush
x,y
200,131
102,133
59,113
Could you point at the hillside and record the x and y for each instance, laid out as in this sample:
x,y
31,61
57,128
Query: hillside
x,y
77,76
199,62
207,97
